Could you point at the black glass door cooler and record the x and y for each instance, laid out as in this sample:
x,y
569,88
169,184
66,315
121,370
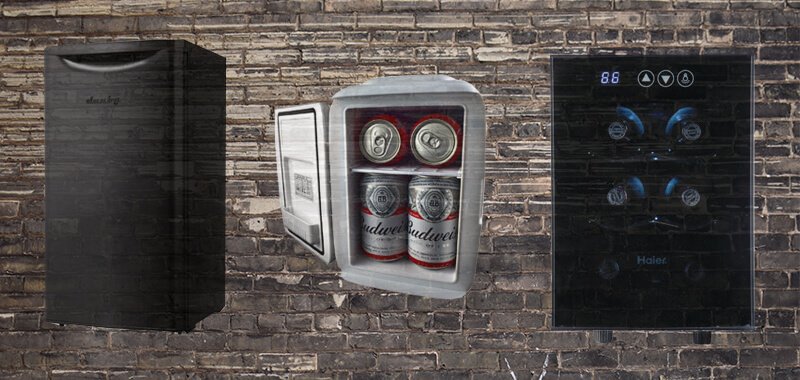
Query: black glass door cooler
x,y
652,192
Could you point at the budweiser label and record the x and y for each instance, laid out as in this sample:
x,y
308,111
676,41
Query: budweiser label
x,y
384,220
433,221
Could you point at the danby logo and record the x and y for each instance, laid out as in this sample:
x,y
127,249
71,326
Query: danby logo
x,y
107,100
651,260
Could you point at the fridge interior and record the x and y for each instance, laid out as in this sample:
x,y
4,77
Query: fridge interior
x,y
355,119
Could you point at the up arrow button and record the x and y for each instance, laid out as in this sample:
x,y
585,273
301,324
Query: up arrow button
x,y
645,78
665,78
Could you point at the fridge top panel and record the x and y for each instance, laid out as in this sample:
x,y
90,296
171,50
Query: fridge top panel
x,y
302,156
113,47
408,85
652,192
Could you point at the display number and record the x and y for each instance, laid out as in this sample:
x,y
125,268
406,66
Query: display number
x,y
609,77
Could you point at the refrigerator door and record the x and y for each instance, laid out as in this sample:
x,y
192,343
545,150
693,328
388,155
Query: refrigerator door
x,y
301,140
123,210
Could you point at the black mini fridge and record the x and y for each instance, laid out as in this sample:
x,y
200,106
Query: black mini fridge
x,y
653,193
135,184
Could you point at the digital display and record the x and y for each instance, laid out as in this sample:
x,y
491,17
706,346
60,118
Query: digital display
x,y
609,78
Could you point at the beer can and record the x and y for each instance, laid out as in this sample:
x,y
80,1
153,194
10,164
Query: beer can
x,y
435,140
384,140
384,216
433,221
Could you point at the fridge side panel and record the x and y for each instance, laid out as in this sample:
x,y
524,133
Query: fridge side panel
x,y
200,270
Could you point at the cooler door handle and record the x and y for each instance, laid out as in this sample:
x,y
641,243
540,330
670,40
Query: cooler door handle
x,y
308,232
109,68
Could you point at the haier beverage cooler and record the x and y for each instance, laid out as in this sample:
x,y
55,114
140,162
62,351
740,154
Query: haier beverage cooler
x,y
135,184
652,193
388,182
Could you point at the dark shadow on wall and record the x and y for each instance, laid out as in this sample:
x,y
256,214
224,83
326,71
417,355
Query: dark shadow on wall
x,y
135,184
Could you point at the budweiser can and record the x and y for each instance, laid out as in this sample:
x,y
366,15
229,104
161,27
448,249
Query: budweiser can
x,y
384,140
432,221
435,140
384,220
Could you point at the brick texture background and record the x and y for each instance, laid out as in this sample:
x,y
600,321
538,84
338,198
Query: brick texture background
x,y
289,316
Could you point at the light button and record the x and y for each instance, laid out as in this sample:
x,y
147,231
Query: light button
x,y
685,78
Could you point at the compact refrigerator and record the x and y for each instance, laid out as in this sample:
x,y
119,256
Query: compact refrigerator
x,y
321,167
653,193
135,184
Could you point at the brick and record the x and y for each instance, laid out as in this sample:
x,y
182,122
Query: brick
x,y
558,339
526,4
526,281
57,25
780,298
225,360
681,18
468,360
205,341
316,342
589,358
166,359
443,20
109,359
500,54
327,21
560,20
288,362
402,5
9,209
165,23
501,20
494,301
379,302
616,19
779,53
134,340
378,341
381,20
352,6
497,341
524,244
704,358
109,24
79,339
394,362
349,360
249,342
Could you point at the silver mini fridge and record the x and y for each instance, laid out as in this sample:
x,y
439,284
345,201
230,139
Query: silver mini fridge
x,y
135,184
321,166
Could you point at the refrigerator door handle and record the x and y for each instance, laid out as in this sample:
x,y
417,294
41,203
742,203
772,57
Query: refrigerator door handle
x,y
306,231
100,68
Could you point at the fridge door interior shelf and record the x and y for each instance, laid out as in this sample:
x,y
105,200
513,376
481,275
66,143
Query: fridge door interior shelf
x,y
300,135
341,165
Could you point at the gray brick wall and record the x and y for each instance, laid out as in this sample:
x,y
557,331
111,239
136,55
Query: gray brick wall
x,y
289,315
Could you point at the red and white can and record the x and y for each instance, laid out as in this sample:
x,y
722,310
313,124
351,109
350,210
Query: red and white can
x,y
436,140
384,216
433,221
384,140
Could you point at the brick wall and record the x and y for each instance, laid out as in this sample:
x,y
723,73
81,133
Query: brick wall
x,y
288,314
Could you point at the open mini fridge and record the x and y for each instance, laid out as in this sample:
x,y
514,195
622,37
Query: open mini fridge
x,y
320,166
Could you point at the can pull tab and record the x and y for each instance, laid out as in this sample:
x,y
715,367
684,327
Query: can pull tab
x,y
380,142
431,140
